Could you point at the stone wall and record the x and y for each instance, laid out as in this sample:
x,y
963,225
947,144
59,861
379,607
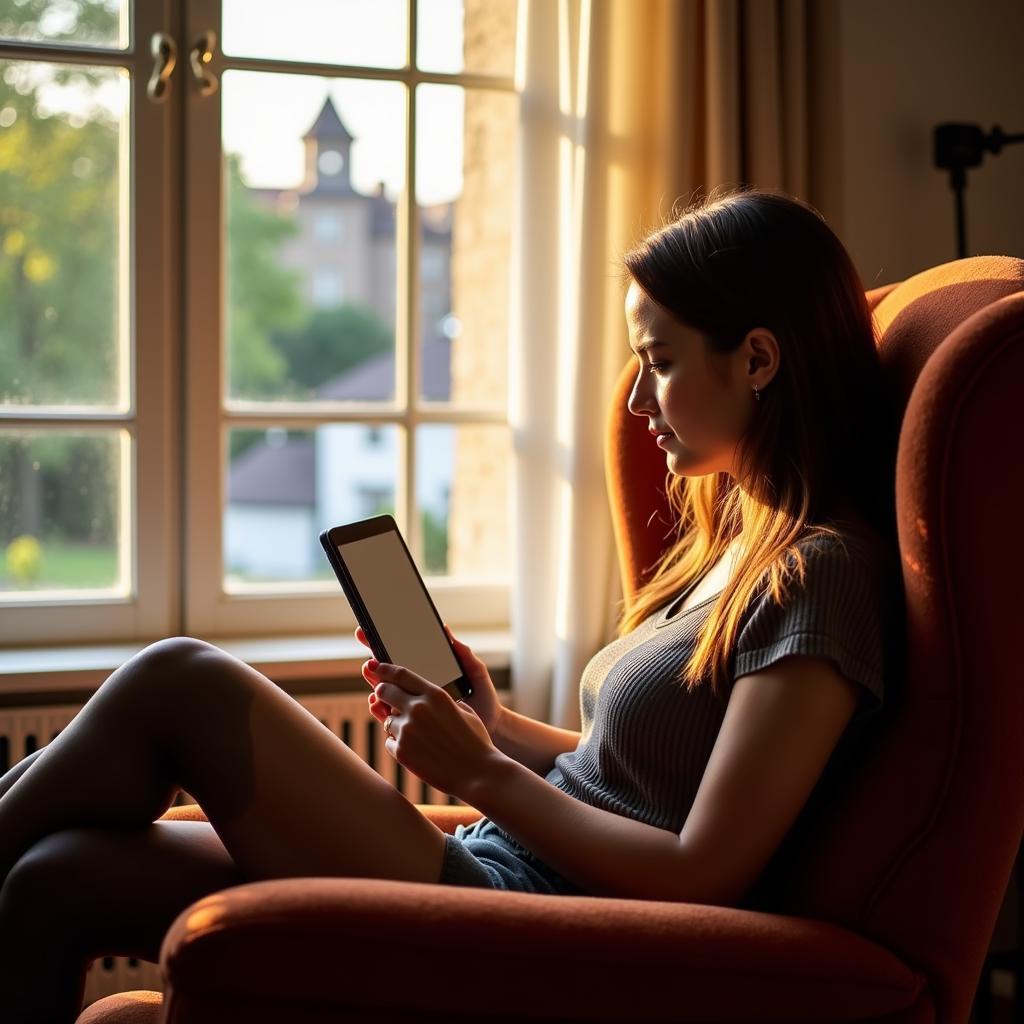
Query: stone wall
x,y
479,526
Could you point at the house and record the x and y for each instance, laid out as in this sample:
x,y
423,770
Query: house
x,y
283,491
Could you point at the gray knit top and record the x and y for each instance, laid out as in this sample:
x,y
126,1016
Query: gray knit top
x,y
646,741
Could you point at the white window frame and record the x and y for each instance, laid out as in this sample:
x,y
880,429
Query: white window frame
x,y
147,316
209,610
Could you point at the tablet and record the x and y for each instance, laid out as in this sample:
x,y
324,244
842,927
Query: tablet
x,y
390,601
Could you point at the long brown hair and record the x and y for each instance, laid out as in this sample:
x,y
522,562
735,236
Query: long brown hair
x,y
823,436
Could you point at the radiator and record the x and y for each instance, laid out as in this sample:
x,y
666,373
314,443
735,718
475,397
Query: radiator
x,y
23,730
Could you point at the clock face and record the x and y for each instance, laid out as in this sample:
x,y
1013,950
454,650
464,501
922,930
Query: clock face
x,y
330,161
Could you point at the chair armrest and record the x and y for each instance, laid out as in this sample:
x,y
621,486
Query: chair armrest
x,y
184,812
348,949
444,816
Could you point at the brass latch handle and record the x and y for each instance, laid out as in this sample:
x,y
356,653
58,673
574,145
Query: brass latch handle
x,y
199,58
165,56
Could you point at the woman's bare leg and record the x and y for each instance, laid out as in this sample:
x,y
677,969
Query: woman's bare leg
x,y
15,772
83,893
285,795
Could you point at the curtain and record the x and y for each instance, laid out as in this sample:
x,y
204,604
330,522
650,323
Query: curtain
x,y
627,108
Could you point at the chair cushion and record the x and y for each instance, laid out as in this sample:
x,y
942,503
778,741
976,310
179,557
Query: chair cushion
x,y
918,314
137,1006
444,816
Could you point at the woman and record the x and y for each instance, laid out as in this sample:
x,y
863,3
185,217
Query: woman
x,y
754,648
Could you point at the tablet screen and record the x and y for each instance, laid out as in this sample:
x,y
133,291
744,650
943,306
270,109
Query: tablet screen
x,y
399,607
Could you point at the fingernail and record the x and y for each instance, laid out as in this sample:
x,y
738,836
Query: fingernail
x,y
373,663
373,697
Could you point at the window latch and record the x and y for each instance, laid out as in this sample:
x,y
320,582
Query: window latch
x,y
199,58
165,55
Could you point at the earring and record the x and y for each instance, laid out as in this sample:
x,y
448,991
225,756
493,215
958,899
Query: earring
x,y
757,394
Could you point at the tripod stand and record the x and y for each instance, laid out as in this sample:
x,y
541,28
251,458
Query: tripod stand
x,y
957,147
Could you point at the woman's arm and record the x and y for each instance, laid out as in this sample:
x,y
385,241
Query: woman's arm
x,y
532,743
604,853
780,728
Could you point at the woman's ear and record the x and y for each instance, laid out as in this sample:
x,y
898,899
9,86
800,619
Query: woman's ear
x,y
761,353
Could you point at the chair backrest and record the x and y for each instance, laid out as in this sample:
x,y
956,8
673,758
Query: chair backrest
x,y
917,842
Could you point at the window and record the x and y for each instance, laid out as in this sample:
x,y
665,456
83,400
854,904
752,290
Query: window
x,y
326,227
297,341
87,414
374,501
326,287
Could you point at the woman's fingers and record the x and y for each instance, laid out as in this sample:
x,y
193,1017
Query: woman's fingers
x,y
455,640
378,708
369,674
464,647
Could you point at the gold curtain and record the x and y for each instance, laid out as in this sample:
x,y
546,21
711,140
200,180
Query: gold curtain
x,y
628,107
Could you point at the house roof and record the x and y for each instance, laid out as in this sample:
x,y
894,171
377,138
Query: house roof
x,y
373,379
265,474
286,475
328,125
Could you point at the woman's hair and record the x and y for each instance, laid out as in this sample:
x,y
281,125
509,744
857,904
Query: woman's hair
x,y
823,435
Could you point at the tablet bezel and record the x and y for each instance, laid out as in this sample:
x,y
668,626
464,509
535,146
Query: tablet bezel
x,y
345,533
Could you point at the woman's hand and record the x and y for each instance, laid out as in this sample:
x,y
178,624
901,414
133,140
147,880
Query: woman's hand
x,y
483,700
440,740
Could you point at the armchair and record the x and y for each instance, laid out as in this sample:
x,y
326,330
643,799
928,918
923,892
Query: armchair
x,y
889,913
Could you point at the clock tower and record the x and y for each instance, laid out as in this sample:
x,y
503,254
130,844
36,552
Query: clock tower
x,y
328,143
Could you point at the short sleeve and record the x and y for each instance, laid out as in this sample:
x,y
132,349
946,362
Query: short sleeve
x,y
837,612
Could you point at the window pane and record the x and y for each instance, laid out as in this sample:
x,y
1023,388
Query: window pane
x,y
462,497
285,486
60,496
371,33
63,183
89,22
466,35
313,171
465,159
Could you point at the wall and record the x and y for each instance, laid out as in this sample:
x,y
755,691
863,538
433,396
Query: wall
x,y
885,73
479,525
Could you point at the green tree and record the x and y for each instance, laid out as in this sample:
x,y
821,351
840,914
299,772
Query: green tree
x,y
58,225
330,342
263,297
60,160
435,543
86,22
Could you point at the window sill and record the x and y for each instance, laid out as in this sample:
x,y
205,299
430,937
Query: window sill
x,y
331,663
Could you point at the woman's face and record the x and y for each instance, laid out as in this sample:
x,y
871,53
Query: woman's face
x,y
704,400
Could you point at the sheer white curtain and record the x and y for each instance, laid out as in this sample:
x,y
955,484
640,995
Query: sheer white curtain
x,y
578,198
628,106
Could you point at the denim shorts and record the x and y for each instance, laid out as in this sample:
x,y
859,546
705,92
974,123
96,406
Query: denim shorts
x,y
481,854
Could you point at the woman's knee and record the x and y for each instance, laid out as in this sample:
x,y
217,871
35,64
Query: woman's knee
x,y
155,678
174,653
122,858
185,659
171,685
97,886
35,892
175,663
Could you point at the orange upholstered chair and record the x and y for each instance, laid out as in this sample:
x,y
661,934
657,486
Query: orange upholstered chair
x,y
890,913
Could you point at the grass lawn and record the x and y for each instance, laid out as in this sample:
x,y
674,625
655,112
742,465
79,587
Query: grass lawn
x,y
66,564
